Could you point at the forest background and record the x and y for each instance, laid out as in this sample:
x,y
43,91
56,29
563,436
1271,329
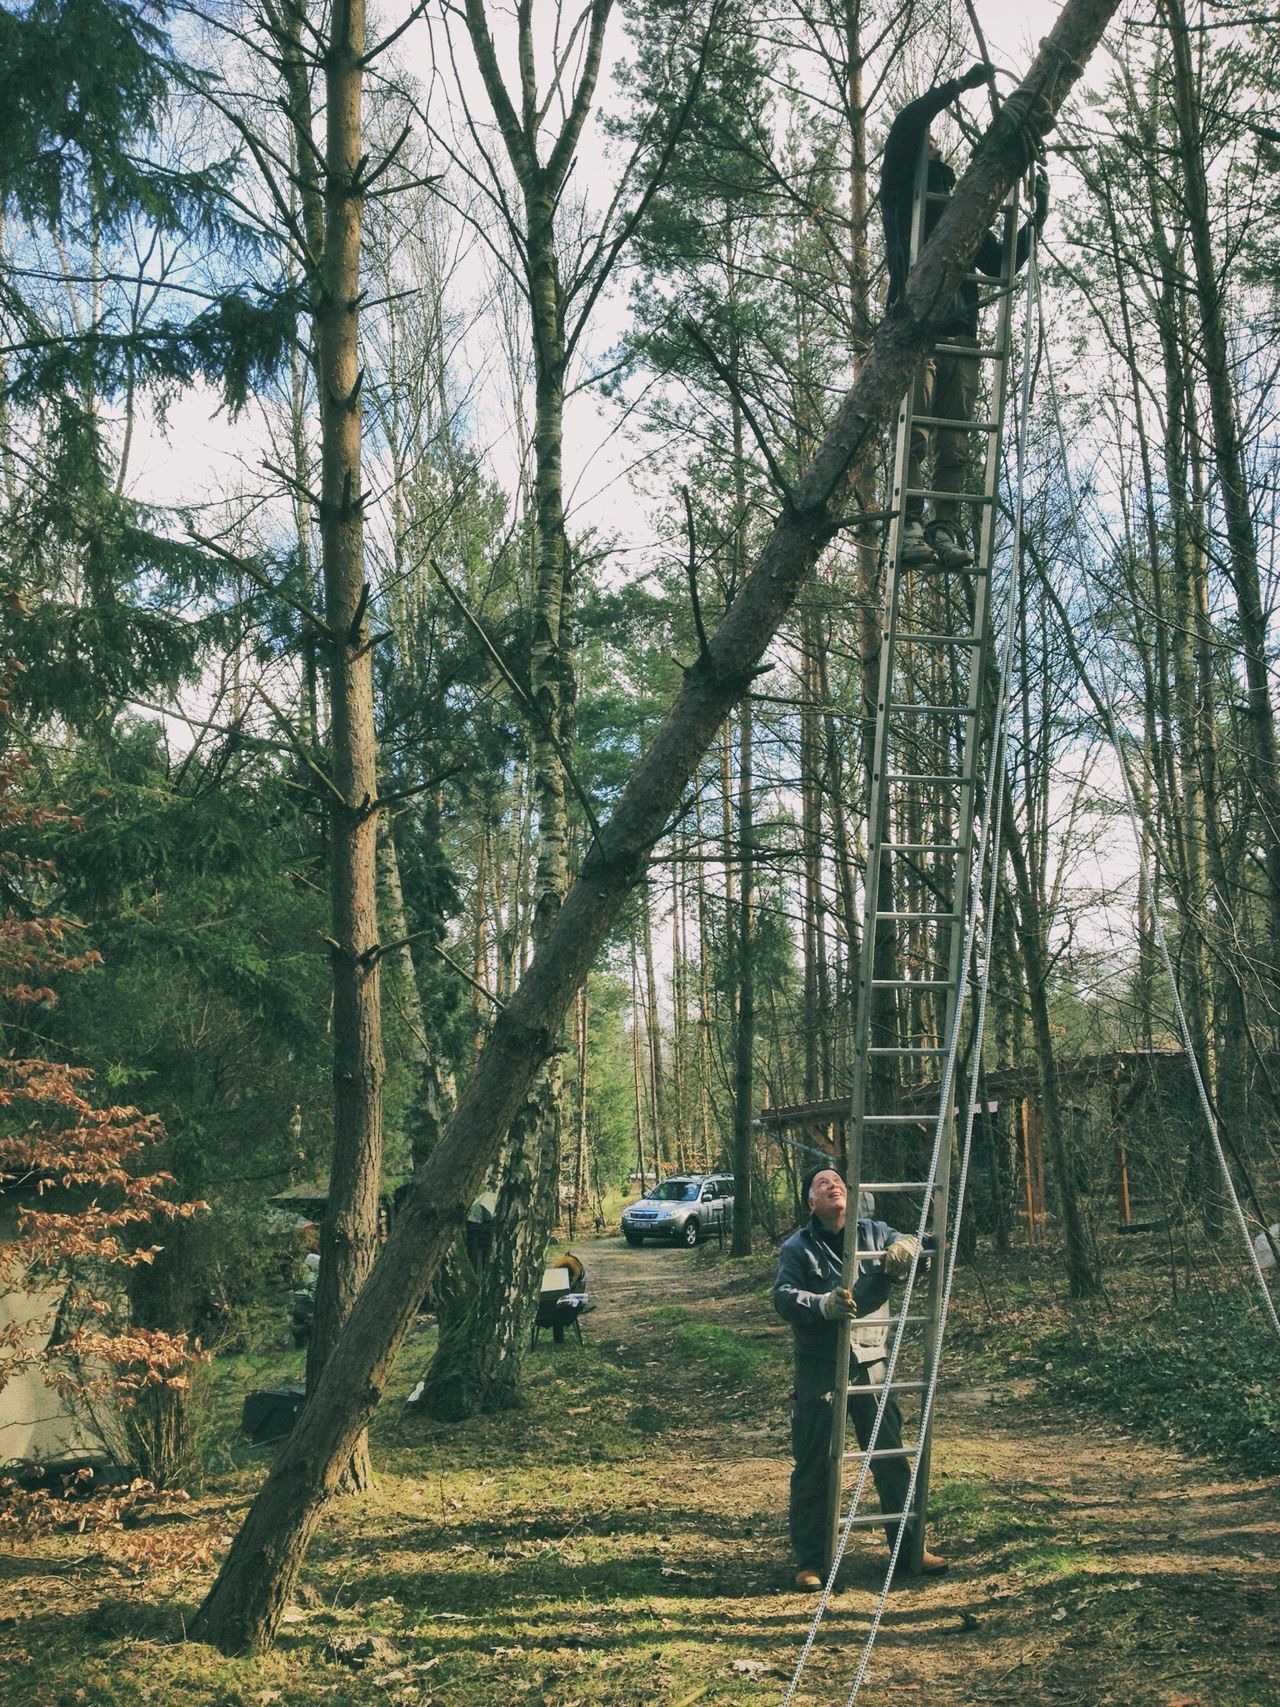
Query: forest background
x,y
522,328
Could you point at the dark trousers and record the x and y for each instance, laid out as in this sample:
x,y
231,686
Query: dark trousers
x,y
947,386
810,1443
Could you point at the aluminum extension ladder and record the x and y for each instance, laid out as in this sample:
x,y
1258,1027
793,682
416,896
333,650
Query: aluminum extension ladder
x,y
930,740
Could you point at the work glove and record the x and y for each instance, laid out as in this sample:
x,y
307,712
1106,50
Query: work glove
x,y
976,75
837,1303
1042,193
897,1259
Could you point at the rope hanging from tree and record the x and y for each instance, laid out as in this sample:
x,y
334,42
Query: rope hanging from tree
x,y
1139,826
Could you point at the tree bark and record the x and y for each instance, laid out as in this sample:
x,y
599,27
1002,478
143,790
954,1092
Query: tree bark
x,y
349,1231
245,1604
744,1035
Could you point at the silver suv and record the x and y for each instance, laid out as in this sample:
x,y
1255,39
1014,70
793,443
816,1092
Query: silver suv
x,y
680,1209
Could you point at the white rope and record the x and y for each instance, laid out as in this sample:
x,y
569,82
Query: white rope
x,y
988,839
1136,823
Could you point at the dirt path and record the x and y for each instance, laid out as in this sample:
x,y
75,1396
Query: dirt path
x,y
1086,1567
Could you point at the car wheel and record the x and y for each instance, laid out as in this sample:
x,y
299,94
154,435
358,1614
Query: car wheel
x,y
633,1238
689,1232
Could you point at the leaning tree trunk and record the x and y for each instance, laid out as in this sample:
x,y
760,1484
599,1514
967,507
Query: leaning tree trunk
x,y
246,1602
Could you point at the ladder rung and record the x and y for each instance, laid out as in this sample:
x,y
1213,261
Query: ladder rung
x,y
920,847
953,421
893,1386
907,984
942,918
953,497
988,352
973,570
911,638
928,776
880,1519
886,1452
896,1185
908,1048
896,1119
924,709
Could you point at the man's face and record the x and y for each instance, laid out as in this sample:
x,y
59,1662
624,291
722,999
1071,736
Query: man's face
x,y
827,1199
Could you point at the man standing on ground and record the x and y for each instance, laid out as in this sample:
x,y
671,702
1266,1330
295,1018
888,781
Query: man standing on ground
x,y
948,384
811,1293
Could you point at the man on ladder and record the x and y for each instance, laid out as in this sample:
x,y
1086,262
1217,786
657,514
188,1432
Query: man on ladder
x,y
812,1294
947,385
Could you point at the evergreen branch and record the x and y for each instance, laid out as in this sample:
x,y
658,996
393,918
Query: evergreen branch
x,y
420,788
605,257
268,163
388,160
207,725
530,707
380,951
730,383
448,959
298,750
293,485
250,569
691,570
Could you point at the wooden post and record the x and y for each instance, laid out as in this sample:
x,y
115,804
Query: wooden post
x,y
1035,1126
1028,1181
1122,1162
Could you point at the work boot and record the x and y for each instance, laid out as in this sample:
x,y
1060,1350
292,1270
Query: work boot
x,y
808,1579
931,1565
947,546
916,552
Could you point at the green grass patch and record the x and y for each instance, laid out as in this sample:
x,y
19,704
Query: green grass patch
x,y
976,1507
1054,1562
721,1355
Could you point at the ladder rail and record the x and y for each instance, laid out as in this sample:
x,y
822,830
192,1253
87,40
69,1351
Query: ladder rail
x,y
954,797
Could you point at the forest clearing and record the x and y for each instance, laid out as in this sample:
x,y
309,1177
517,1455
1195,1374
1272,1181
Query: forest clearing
x,y
654,621
622,1541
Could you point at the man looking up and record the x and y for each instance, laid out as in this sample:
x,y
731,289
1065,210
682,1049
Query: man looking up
x,y
811,1294
947,385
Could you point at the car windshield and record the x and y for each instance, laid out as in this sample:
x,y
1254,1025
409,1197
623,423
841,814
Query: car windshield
x,y
673,1191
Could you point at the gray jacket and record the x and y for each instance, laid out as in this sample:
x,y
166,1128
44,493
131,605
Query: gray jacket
x,y
807,1267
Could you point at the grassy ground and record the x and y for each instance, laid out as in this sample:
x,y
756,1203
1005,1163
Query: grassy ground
x,y
621,1539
